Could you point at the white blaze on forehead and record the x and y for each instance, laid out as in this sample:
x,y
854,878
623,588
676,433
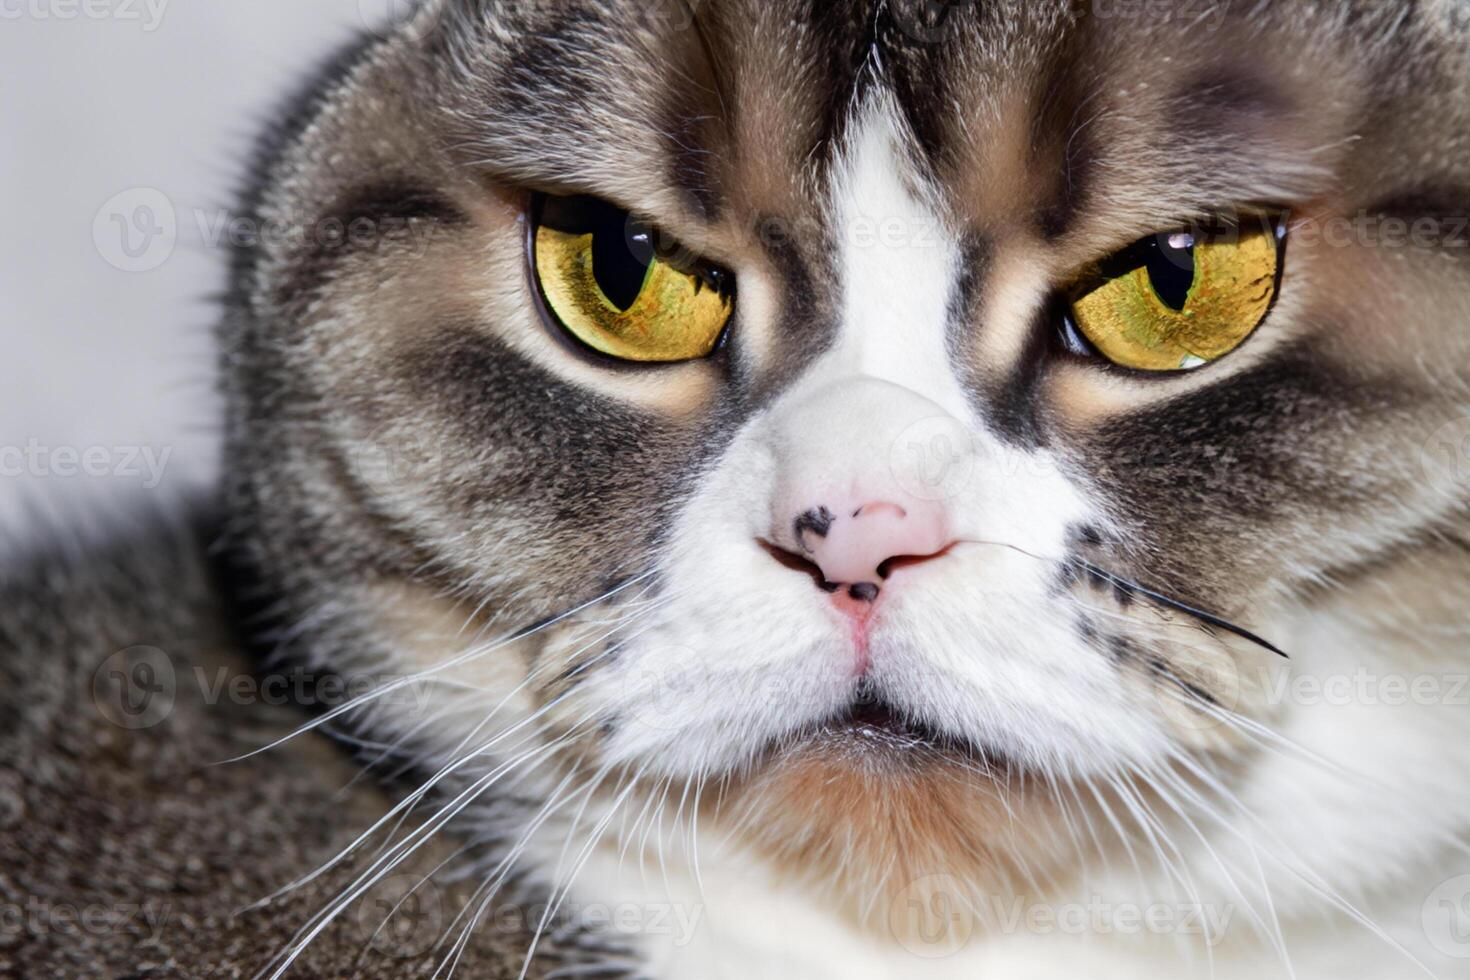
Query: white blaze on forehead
x,y
899,264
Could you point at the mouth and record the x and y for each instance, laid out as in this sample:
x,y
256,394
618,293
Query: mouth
x,y
874,720
872,729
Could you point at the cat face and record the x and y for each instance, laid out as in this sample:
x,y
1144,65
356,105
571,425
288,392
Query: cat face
x,y
889,414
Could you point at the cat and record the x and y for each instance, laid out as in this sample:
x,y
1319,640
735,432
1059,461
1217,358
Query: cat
x,y
868,489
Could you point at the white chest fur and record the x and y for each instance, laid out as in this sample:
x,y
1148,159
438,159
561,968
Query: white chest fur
x,y
737,923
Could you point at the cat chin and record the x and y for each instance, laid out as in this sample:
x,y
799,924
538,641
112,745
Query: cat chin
x,y
867,817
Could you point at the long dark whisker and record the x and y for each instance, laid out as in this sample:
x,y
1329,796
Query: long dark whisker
x,y
1133,588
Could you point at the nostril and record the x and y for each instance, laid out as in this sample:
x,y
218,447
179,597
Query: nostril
x,y
797,563
890,565
861,591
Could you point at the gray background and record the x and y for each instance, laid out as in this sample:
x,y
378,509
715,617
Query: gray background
x,y
108,107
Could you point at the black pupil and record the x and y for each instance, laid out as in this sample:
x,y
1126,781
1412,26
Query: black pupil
x,y
1170,263
621,252
622,248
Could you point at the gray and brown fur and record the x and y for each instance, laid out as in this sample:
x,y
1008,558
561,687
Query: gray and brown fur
x,y
1053,134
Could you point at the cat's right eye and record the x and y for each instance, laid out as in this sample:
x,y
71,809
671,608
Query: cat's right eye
x,y
619,287
1179,300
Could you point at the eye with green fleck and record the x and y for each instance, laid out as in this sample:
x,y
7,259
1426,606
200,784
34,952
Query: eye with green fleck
x,y
1179,300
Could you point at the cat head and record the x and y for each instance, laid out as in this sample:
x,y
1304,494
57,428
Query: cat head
x,y
911,419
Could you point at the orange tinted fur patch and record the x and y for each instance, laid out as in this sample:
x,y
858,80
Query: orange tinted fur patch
x,y
871,826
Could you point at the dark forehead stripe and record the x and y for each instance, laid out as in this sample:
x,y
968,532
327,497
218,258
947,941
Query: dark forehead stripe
x,y
549,80
923,89
741,42
692,141
1216,97
392,213
1062,140
924,48
569,92
917,42
847,33
952,63
665,76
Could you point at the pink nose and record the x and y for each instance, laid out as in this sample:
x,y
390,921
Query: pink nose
x,y
851,543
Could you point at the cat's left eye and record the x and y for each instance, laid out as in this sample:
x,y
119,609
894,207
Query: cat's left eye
x,y
621,288
1179,300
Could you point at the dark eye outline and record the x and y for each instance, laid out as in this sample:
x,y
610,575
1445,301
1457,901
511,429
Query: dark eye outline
x,y
1069,336
668,250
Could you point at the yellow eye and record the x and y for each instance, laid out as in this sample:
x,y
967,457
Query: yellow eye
x,y
611,283
1178,301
